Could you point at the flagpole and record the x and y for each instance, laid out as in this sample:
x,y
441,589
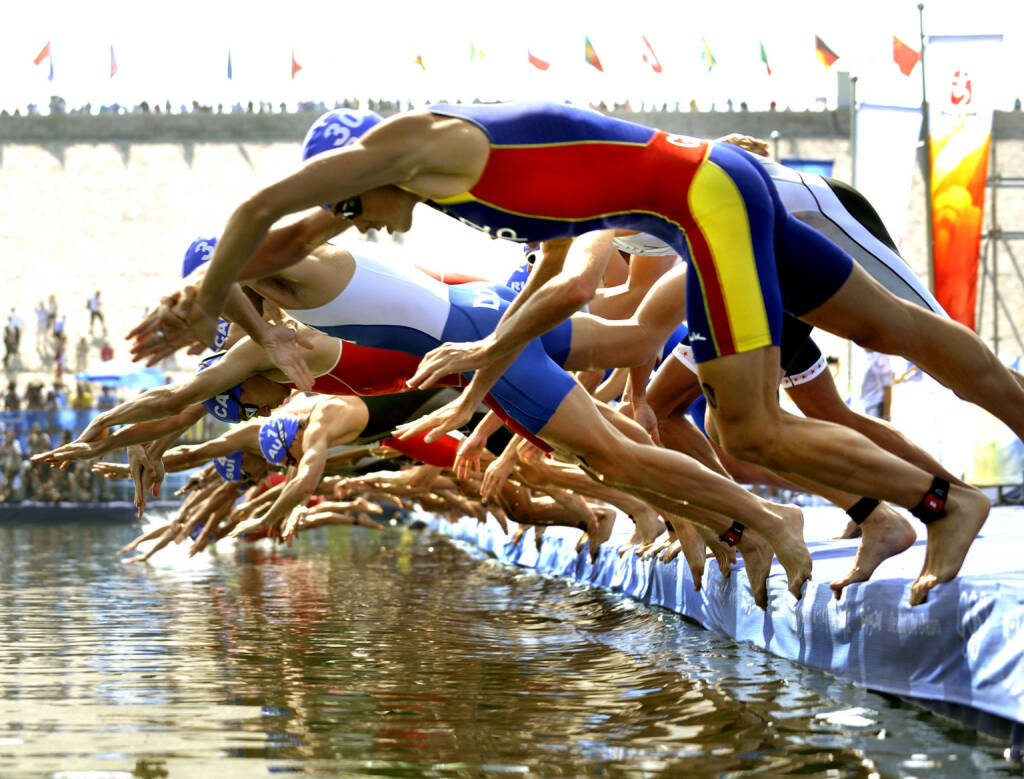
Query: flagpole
x,y
926,168
853,131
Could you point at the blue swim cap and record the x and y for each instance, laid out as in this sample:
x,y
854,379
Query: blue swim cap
x,y
223,328
226,406
230,467
338,128
276,435
198,253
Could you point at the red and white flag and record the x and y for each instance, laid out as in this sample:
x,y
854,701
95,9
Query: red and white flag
x,y
649,56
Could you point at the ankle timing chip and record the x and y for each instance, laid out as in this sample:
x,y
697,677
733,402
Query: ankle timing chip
x,y
933,504
733,535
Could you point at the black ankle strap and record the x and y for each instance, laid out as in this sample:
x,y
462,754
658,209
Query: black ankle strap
x,y
859,511
933,504
733,535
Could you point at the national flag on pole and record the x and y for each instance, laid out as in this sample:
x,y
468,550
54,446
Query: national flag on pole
x,y
764,58
706,55
904,56
419,61
590,54
649,56
536,61
296,67
231,73
825,54
113,62
43,54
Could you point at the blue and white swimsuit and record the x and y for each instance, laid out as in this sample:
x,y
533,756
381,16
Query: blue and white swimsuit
x,y
405,310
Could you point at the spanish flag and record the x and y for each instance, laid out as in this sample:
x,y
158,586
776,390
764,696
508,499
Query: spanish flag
x,y
825,54
590,55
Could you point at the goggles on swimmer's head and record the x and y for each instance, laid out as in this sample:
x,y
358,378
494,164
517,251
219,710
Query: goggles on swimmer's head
x,y
349,209
227,406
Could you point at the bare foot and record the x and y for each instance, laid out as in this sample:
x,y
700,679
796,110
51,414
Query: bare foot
x,y
671,552
517,536
633,541
757,558
501,519
885,534
538,536
852,530
724,554
654,550
949,539
605,525
648,524
790,548
694,550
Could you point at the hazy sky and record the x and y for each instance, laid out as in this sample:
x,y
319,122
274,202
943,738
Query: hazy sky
x,y
178,50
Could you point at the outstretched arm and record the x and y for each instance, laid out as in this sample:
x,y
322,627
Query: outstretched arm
x,y
171,427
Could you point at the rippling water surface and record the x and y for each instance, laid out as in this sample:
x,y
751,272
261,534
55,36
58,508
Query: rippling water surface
x,y
400,654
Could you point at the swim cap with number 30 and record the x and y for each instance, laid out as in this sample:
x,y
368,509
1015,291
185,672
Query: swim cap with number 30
x,y
338,128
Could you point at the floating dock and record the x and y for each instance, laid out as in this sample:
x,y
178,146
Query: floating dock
x,y
961,653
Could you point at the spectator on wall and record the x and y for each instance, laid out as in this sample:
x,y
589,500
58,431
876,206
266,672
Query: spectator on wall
x,y
95,312
81,355
11,400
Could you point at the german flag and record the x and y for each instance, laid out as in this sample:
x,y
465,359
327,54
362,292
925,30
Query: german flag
x,y
825,54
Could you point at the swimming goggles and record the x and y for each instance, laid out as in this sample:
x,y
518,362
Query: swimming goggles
x,y
349,209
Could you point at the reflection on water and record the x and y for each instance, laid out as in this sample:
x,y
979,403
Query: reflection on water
x,y
398,653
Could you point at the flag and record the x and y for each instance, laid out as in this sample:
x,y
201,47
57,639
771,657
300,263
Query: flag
x,y
706,55
590,55
649,56
764,58
825,54
45,54
475,53
231,74
296,67
42,54
113,62
419,61
536,61
964,77
904,56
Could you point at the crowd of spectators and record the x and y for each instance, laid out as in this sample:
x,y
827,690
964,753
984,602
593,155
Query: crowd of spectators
x,y
52,339
22,480
58,106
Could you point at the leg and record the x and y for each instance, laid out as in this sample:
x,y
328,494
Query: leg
x,y
944,349
741,393
670,480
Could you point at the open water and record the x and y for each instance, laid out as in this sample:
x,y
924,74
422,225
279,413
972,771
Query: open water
x,y
397,653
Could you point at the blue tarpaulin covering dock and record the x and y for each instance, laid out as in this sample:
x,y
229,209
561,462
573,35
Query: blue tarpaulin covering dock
x,y
963,649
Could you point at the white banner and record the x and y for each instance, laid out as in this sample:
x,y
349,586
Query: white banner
x,y
887,138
